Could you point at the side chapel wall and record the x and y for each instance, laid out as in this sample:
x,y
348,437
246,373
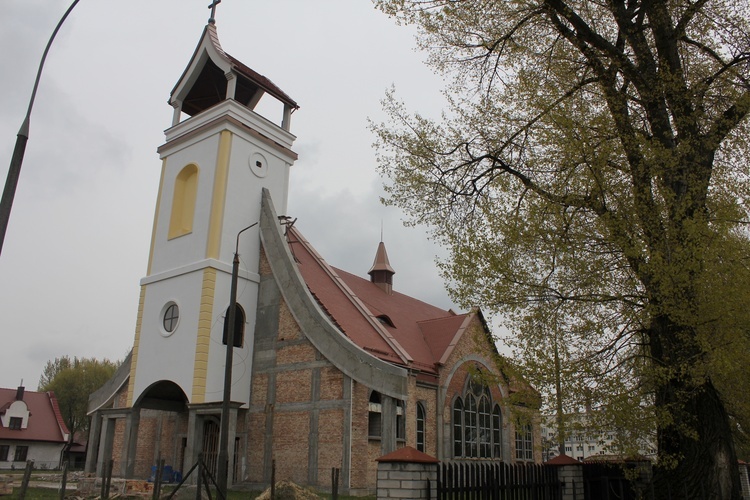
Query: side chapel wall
x,y
299,401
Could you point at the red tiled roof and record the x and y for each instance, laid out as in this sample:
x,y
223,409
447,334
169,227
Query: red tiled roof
x,y
563,460
410,455
421,333
443,334
248,72
45,421
262,81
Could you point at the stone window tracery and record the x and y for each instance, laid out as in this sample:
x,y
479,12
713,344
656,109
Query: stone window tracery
x,y
477,424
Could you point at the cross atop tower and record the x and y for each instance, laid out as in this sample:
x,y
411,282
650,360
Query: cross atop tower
x,y
214,3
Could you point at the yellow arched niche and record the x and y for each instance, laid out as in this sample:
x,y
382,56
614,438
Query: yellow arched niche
x,y
183,201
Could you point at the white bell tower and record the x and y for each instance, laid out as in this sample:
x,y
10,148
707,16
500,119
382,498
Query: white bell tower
x,y
218,156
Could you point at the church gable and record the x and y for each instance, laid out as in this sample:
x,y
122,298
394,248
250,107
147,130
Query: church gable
x,y
506,425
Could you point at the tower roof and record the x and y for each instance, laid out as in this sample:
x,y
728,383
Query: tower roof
x,y
213,76
381,262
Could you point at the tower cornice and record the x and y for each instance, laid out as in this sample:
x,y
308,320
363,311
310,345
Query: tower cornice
x,y
236,114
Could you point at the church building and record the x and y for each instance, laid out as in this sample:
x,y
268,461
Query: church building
x,y
330,369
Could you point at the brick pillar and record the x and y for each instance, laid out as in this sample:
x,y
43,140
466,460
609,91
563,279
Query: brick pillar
x,y
570,473
406,473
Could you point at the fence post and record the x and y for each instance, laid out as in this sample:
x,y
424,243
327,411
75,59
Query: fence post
x,y
109,477
26,479
158,477
335,472
64,484
273,479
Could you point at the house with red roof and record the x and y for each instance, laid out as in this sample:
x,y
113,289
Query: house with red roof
x,y
329,369
31,428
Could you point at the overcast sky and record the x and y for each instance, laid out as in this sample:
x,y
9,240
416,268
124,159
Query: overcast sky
x,y
78,239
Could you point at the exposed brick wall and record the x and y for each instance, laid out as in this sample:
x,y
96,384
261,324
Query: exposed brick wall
x,y
374,451
331,384
264,267
288,327
297,353
256,429
360,444
291,431
428,397
146,445
117,446
259,391
122,398
293,386
295,377
330,444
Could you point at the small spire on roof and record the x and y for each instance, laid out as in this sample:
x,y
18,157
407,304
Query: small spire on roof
x,y
214,3
381,273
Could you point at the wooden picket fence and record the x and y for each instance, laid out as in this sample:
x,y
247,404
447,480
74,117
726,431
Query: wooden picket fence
x,y
497,481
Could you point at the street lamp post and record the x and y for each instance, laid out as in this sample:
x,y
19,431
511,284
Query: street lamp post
x,y
14,171
223,465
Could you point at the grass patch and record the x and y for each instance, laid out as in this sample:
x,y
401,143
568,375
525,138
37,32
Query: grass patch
x,y
35,494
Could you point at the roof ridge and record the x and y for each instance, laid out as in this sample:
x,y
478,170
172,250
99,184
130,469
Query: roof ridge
x,y
396,292
443,318
354,299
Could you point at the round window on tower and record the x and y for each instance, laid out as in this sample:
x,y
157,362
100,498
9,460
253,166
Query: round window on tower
x,y
170,318
258,164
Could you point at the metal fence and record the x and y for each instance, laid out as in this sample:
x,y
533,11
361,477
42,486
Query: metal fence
x,y
497,481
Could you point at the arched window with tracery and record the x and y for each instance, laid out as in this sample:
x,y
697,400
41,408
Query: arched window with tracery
x,y
477,424
421,423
